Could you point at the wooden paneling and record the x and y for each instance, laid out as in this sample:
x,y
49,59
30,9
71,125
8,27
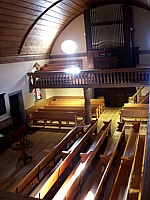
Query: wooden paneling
x,y
32,25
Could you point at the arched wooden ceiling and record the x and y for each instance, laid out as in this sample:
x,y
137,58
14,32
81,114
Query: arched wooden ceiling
x,y
30,27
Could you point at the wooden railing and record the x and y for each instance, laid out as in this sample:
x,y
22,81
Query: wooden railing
x,y
126,77
133,99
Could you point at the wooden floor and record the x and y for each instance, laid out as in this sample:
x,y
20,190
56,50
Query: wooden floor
x,y
11,171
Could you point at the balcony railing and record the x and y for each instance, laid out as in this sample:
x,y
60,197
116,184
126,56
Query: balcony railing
x,y
126,77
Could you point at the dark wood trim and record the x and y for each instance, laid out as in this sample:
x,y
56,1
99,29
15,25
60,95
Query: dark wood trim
x,y
68,56
16,59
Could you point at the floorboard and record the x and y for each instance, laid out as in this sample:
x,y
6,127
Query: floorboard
x,y
11,171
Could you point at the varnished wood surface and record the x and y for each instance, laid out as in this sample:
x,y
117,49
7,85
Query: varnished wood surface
x,y
11,171
24,25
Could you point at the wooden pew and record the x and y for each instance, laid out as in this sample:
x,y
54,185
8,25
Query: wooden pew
x,y
33,175
135,106
61,65
108,156
44,188
111,147
53,116
106,129
79,110
67,190
131,145
132,115
70,108
95,106
122,178
100,101
133,187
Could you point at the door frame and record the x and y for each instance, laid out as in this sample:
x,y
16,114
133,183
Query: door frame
x,y
20,105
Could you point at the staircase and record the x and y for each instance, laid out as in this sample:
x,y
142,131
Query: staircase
x,y
138,97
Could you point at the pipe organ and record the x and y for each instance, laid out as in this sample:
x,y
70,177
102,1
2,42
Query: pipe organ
x,y
107,29
109,38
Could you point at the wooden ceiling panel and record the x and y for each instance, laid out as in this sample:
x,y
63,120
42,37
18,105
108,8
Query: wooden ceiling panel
x,y
12,7
31,26
12,19
18,14
11,25
63,12
27,4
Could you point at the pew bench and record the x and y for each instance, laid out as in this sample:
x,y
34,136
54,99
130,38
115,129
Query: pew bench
x,y
45,187
79,109
73,146
95,108
131,115
105,130
84,156
136,106
130,149
36,117
108,156
68,188
32,178
112,144
100,102
120,185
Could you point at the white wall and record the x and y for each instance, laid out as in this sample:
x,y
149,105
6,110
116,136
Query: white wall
x,y
141,32
74,31
69,92
13,77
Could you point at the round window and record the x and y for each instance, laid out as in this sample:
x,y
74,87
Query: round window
x,y
68,46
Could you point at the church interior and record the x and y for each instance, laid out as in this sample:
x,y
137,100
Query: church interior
x,y
74,99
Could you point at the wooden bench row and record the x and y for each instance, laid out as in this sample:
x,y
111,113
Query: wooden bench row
x,y
109,154
49,159
97,105
130,151
67,190
136,106
95,109
51,116
100,101
61,65
45,187
134,186
133,114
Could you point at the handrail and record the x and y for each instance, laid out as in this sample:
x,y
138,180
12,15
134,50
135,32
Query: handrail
x,y
90,78
133,98
146,97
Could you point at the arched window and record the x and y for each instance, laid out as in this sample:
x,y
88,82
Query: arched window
x,y
37,94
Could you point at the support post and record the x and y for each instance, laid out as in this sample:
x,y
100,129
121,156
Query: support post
x,y
87,105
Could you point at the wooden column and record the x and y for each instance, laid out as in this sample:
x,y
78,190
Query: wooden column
x,y
87,105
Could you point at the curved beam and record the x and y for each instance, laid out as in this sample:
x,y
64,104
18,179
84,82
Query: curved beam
x,y
31,27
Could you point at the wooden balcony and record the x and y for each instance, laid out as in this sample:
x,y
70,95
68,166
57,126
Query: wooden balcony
x,y
126,77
